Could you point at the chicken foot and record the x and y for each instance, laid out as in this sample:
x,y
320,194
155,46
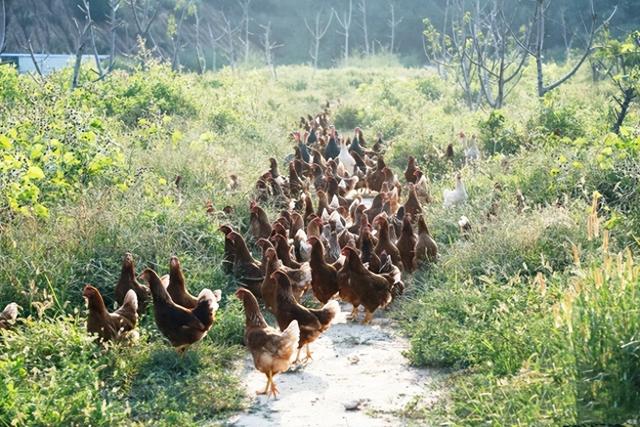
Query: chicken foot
x,y
269,387
367,317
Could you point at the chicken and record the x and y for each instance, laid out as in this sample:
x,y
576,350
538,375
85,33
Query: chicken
x,y
406,245
312,322
301,247
410,171
300,279
373,290
384,241
111,326
259,222
471,151
422,186
284,251
229,250
246,269
271,349
426,248
346,158
324,280
233,182
456,196
177,289
8,316
128,281
465,227
412,205
181,326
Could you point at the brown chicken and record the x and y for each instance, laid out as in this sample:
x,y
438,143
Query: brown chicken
x,y
406,245
128,281
373,290
312,322
384,241
177,289
409,173
346,292
300,279
229,250
246,269
8,316
426,248
412,205
110,326
271,349
324,276
284,251
259,222
182,326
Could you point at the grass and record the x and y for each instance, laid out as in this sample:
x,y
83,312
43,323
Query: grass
x,y
536,323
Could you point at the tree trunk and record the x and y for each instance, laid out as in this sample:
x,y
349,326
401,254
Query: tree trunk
x,y
629,94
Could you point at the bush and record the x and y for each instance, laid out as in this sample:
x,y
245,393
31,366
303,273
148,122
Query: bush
x,y
347,117
429,88
555,121
498,135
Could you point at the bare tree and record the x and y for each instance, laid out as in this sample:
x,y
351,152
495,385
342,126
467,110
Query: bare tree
x,y
214,46
229,34
538,28
144,14
3,31
114,23
317,33
567,37
269,47
499,59
245,5
202,62
345,24
174,31
80,40
363,9
393,24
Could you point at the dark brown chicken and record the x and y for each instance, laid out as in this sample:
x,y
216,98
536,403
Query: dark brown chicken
x,y
271,349
229,250
406,245
182,326
128,281
9,315
384,241
312,322
373,290
426,248
300,279
259,222
247,270
110,326
324,276
284,251
412,205
409,173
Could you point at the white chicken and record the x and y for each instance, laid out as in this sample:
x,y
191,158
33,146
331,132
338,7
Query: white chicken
x,y
456,196
346,158
471,151
300,239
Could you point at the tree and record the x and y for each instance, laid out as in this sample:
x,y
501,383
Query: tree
x,y
269,46
80,40
621,61
317,33
537,27
499,59
245,5
393,24
3,31
345,24
365,31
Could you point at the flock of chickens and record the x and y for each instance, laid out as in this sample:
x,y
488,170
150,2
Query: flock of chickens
x,y
354,244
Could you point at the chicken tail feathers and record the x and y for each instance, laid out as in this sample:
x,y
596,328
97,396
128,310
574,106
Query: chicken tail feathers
x,y
292,335
206,307
327,313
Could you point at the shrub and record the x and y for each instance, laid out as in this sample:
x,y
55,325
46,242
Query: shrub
x,y
347,117
498,135
429,88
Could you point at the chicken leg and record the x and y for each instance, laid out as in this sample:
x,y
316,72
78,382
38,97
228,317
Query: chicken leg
x,y
274,389
367,317
354,313
269,387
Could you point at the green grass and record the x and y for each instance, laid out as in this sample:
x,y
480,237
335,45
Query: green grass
x,y
529,334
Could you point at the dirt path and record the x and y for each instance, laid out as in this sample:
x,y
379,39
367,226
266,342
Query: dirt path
x,y
358,377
